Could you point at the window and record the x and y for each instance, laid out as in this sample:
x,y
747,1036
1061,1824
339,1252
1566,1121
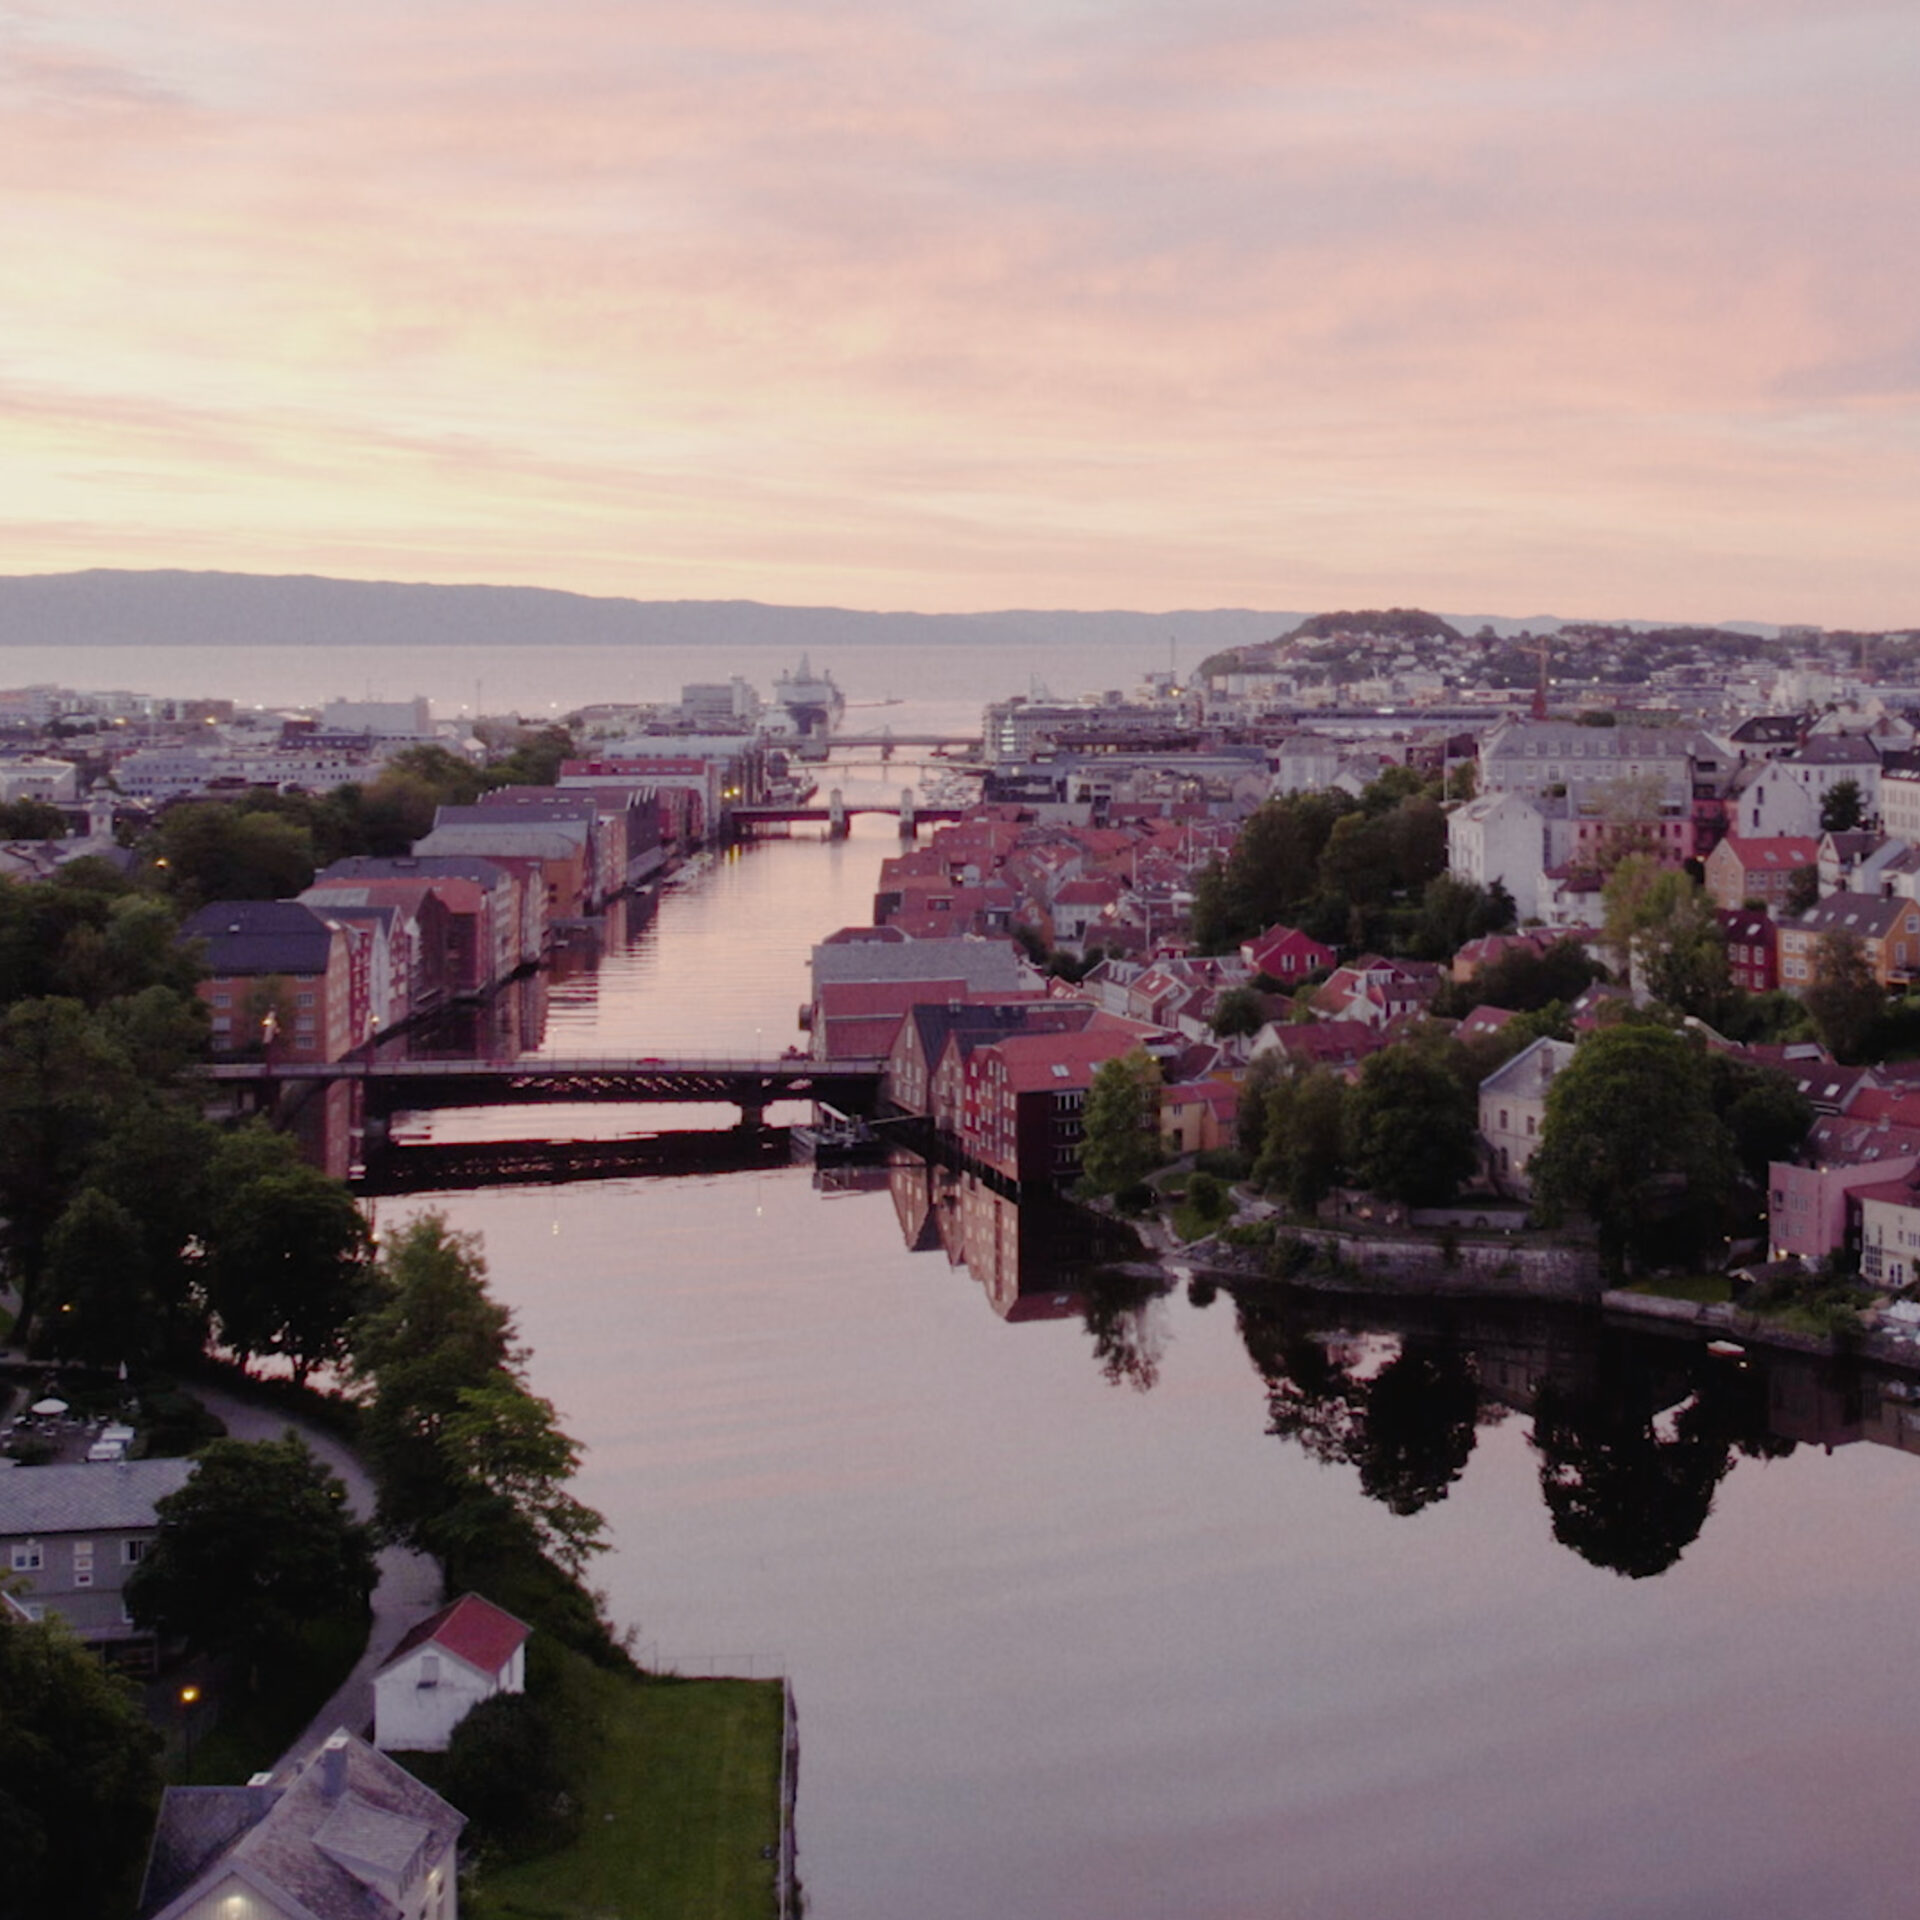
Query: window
x,y
83,1563
303,999
132,1552
28,1556
429,1670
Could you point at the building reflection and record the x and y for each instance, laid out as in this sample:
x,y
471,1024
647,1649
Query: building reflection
x,y
1033,1262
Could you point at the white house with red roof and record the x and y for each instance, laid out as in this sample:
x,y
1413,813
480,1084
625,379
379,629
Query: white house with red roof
x,y
442,1670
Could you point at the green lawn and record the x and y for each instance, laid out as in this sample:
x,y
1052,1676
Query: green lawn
x,y
682,1811
1704,1289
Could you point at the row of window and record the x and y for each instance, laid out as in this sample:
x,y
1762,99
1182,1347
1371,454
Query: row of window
x,y
30,1556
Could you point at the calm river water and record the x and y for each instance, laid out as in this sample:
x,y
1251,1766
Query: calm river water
x,y
1104,1607
1109,1608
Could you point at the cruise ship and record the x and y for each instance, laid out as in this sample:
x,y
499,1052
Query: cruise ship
x,y
811,701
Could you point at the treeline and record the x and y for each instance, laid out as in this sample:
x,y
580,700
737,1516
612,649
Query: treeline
x,y
267,846
1661,1141
1365,873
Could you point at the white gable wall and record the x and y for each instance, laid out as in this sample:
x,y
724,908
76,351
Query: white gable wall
x,y
418,1701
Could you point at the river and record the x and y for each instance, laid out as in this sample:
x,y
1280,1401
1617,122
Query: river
x,y
1104,1607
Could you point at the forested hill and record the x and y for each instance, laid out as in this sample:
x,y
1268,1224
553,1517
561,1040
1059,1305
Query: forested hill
x,y
165,608
115,608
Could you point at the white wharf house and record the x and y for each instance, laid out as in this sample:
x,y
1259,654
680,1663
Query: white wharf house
x,y
442,1669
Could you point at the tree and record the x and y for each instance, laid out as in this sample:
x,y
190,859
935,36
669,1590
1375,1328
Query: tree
x,y
1842,808
79,1776
1411,1128
1844,999
1239,1010
31,819
259,1541
468,1461
220,850
1121,1143
512,1463
1663,930
1632,1140
1304,1151
287,1265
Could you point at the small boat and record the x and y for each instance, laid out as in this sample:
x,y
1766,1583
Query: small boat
x,y
1726,1349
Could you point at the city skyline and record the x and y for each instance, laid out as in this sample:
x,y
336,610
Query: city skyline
x,y
1545,310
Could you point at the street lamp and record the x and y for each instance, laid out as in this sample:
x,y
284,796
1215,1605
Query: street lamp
x,y
189,1698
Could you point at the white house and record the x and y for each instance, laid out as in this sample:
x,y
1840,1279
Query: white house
x,y
1513,1110
1500,836
442,1670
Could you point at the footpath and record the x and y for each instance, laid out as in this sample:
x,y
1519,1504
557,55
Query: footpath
x,y
410,1583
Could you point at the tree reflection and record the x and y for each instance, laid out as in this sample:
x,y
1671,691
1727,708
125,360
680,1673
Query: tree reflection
x,y
1624,1495
1421,1410
1128,1337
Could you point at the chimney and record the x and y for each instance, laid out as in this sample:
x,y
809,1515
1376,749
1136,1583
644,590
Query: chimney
x,y
333,1767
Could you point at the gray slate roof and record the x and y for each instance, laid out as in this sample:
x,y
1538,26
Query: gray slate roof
x,y
980,963
261,936
324,1846
96,1498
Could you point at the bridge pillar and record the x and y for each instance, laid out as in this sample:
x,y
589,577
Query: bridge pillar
x,y
886,745
908,825
753,1116
836,815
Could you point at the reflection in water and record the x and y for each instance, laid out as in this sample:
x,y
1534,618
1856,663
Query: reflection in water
x,y
1634,1432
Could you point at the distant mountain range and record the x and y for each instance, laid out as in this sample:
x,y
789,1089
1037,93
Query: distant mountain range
x,y
165,608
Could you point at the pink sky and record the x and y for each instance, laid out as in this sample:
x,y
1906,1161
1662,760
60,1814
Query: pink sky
x,y
1513,306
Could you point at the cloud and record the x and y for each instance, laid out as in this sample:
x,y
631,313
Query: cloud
x,y
973,299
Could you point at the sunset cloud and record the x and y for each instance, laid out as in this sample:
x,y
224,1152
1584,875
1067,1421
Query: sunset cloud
x,y
1556,306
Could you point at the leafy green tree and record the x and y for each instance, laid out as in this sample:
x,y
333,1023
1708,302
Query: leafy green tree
x,y
1524,980
1240,1011
258,1542
287,1266
468,1461
102,1307
1411,1128
1766,1115
1304,1154
61,1082
534,761
1844,999
1632,1140
1454,911
435,1332
506,1770
1842,808
220,850
512,1463
1121,1143
79,1776
1664,934
31,819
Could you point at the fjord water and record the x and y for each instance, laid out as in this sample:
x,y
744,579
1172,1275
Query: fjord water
x,y
1086,1609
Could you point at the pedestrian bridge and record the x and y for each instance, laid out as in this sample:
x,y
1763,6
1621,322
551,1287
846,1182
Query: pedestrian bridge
x,y
752,1085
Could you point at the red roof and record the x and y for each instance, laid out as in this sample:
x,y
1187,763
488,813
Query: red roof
x,y
486,1637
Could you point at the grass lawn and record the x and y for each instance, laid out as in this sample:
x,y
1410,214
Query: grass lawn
x,y
1704,1289
682,1810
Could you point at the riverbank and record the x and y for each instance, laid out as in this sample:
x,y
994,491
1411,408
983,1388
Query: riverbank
x,y
1494,1266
